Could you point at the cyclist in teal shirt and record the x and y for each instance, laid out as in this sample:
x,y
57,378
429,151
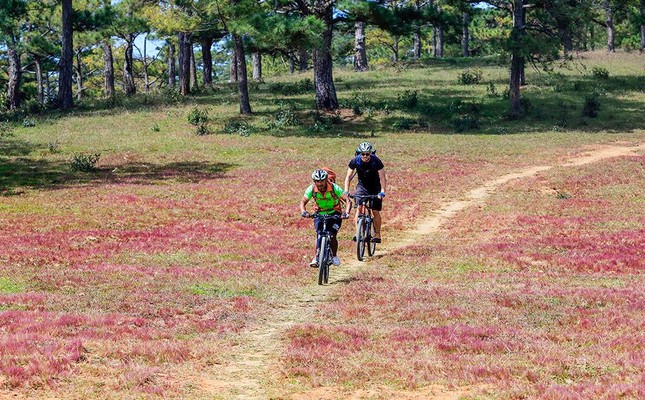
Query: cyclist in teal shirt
x,y
327,201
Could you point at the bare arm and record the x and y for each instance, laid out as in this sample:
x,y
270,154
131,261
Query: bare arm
x,y
383,177
348,178
348,203
303,204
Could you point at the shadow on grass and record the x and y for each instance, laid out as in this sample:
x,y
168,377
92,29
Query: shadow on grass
x,y
18,173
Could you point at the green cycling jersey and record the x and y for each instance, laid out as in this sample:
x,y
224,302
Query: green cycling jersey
x,y
327,203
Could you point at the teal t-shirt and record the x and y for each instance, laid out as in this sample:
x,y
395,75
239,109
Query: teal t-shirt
x,y
325,202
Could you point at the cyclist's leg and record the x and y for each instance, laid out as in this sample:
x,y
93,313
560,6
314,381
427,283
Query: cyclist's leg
x,y
377,205
334,226
318,224
377,223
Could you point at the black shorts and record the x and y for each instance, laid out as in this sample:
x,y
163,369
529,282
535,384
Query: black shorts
x,y
377,204
333,224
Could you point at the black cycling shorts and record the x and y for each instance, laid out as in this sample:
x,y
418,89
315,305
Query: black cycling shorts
x,y
377,204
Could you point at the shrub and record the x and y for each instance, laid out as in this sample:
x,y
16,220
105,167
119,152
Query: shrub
x,y
285,116
202,130
403,124
28,122
54,147
408,98
237,127
5,129
466,115
4,102
359,103
155,127
291,89
471,76
591,107
465,123
84,162
600,73
491,90
33,106
318,127
198,116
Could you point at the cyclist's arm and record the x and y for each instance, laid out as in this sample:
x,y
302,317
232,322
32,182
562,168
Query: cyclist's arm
x,y
348,178
303,204
348,203
383,177
308,195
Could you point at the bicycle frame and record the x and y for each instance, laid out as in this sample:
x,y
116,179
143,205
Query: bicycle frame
x,y
364,226
323,242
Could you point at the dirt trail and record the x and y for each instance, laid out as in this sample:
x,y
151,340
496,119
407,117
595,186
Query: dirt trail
x,y
252,367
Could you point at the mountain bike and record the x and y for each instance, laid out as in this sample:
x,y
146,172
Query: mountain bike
x,y
324,248
365,229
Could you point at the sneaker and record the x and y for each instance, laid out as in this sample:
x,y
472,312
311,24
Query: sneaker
x,y
314,262
335,261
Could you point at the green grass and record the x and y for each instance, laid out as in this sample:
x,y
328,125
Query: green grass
x,y
9,286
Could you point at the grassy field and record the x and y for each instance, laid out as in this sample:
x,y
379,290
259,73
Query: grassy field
x,y
149,275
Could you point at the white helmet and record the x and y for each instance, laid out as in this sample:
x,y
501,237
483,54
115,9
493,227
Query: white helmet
x,y
365,147
319,175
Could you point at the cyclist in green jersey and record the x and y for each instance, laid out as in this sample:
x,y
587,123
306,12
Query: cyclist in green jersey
x,y
327,201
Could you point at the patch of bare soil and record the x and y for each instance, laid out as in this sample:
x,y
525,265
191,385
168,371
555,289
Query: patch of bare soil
x,y
252,368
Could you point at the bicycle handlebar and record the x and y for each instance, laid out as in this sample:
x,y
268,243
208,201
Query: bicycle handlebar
x,y
324,216
363,199
363,196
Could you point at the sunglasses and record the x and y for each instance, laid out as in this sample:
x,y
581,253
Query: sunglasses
x,y
366,154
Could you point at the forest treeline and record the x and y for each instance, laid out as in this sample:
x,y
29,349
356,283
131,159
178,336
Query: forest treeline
x,y
54,53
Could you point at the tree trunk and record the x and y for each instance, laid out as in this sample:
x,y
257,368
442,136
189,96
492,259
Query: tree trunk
x,y
40,90
48,87
567,41
207,59
465,35
193,68
233,68
360,52
128,76
395,49
611,32
146,76
79,74
108,69
172,72
523,63
434,41
292,62
65,96
417,45
242,82
439,42
416,35
642,26
303,58
257,66
323,68
516,58
184,63
15,75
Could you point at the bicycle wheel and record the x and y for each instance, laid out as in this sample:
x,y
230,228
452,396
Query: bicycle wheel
x,y
326,269
361,236
323,260
371,246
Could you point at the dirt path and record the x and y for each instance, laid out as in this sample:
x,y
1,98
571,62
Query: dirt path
x,y
252,367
